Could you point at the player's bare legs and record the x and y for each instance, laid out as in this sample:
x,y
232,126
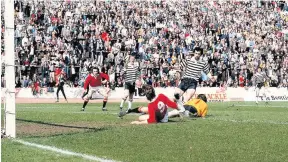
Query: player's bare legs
x,y
134,110
131,95
190,94
173,113
266,94
105,100
124,98
143,117
105,94
143,109
257,94
104,91
87,98
178,94
176,113
84,104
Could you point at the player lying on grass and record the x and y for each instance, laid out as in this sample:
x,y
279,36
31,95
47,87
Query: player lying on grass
x,y
157,110
194,107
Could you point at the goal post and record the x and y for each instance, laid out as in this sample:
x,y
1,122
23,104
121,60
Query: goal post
x,y
10,113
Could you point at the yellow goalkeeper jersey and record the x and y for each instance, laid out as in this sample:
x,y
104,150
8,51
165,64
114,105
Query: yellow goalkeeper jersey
x,y
200,105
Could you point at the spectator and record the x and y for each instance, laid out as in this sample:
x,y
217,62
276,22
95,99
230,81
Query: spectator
x,y
72,36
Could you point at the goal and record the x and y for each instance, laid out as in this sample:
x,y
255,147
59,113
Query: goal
x,y
8,92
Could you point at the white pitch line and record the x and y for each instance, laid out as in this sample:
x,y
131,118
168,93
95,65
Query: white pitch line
x,y
110,113
235,105
65,152
39,107
76,112
250,121
87,112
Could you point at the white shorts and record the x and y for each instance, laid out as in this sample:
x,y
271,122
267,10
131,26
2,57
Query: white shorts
x,y
165,119
101,90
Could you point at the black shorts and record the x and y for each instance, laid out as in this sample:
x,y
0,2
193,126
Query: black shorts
x,y
130,86
187,83
159,116
260,85
61,84
190,108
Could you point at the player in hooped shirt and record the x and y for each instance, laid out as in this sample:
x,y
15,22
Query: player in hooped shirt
x,y
93,84
157,110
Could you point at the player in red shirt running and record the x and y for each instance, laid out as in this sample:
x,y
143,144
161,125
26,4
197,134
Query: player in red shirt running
x,y
157,110
93,84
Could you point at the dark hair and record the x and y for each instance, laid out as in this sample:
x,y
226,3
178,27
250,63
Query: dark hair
x,y
103,69
198,49
149,92
202,97
94,67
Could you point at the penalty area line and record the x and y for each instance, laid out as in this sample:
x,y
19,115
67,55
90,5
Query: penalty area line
x,y
109,113
250,121
64,152
235,105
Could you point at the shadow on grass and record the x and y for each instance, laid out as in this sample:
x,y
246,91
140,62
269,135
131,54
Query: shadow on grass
x,y
56,125
60,134
37,132
63,134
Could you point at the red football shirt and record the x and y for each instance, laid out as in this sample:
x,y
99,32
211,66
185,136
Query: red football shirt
x,y
95,81
159,106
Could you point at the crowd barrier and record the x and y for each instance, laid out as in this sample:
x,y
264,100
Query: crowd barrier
x,y
213,94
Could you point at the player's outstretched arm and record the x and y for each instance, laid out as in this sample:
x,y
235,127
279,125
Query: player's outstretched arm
x,y
173,114
168,102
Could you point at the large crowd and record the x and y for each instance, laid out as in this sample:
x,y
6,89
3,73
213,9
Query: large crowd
x,y
69,37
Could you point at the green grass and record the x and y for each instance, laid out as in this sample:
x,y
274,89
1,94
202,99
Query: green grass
x,y
13,151
239,133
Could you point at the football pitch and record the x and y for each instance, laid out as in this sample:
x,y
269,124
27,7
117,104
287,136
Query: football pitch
x,y
61,132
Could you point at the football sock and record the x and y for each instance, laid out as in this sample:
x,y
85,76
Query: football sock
x,y
135,110
122,103
85,103
104,102
129,105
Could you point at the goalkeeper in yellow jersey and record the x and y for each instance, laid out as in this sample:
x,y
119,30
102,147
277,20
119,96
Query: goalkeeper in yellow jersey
x,y
194,107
